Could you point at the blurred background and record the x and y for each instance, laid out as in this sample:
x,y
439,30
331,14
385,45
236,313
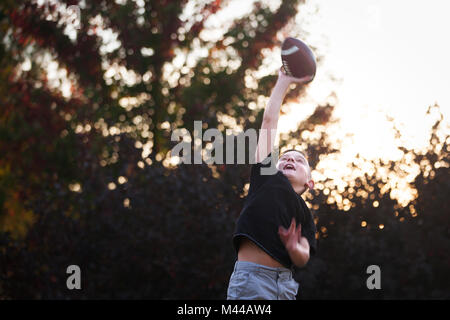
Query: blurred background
x,y
90,92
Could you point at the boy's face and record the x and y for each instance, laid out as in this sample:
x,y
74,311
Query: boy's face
x,y
296,168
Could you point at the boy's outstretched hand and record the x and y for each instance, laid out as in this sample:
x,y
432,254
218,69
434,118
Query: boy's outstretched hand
x,y
296,245
282,76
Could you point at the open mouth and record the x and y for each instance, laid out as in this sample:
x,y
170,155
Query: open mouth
x,y
289,167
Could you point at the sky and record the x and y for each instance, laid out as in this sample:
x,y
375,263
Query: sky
x,y
390,58
382,59
387,59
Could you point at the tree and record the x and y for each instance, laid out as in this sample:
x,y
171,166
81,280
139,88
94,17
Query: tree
x,y
409,243
84,178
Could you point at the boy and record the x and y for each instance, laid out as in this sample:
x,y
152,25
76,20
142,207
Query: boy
x,y
275,230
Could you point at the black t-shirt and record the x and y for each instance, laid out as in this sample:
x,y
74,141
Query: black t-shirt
x,y
272,202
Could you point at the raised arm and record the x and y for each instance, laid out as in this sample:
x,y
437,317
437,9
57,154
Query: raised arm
x,y
269,125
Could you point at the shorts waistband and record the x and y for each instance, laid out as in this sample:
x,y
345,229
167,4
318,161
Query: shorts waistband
x,y
255,267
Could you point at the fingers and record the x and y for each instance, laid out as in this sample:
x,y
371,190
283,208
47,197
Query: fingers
x,y
292,226
292,230
282,231
299,232
302,80
289,231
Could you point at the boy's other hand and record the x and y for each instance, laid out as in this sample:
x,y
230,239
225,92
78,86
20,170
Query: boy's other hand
x,y
292,238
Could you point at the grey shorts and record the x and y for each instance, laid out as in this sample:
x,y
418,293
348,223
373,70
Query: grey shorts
x,y
252,281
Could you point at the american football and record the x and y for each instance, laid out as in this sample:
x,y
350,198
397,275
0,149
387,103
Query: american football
x,y
297,58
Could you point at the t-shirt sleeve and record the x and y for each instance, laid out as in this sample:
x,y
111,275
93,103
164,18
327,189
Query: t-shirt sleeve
x,y
260,173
